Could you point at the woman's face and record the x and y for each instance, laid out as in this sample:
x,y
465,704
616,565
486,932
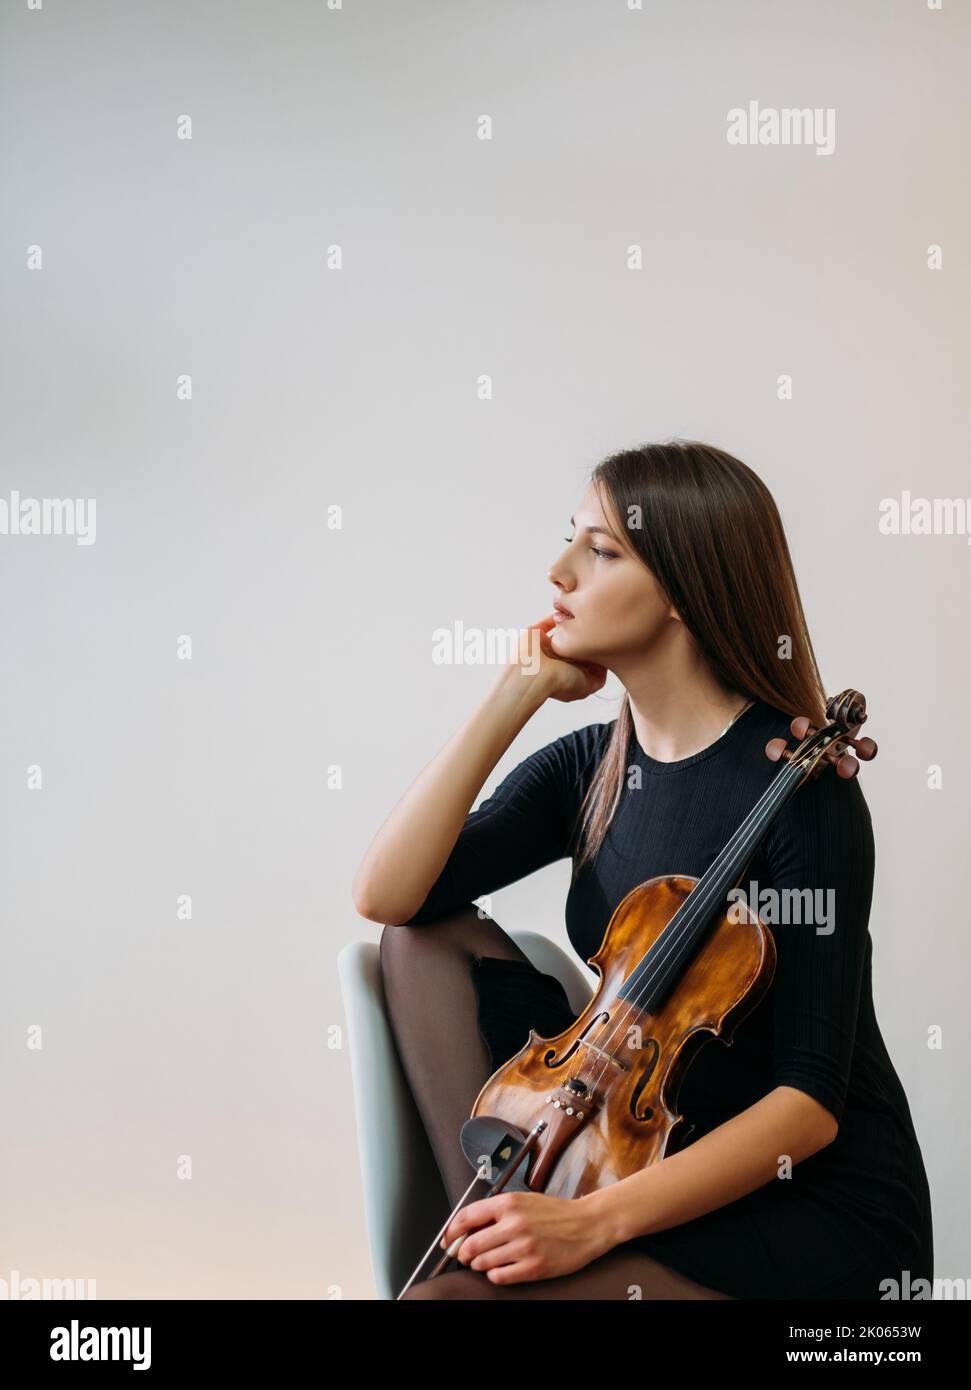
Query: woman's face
x,y
619,609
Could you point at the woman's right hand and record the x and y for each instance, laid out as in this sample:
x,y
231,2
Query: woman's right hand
x,y
561,678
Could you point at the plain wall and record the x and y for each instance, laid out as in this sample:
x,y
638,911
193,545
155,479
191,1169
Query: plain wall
x,y
314,387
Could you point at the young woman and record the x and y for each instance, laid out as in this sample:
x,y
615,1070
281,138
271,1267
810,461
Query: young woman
x,y
803,1176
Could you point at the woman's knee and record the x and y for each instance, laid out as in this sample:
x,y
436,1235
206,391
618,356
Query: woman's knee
x,y
466,931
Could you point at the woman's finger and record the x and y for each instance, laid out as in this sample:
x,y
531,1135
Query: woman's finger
x,y
503,1252
470,1217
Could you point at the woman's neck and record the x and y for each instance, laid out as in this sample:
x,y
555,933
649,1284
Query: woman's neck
x,y
671,724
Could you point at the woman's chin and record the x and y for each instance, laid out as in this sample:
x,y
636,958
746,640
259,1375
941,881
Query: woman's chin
x,y
563,640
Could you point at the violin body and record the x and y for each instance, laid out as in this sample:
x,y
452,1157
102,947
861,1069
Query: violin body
x,y
630,1061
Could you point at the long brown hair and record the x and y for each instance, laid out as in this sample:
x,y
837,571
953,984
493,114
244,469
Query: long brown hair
x,y
709,531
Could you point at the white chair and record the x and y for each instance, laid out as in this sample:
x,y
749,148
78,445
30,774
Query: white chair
x,y
404,1200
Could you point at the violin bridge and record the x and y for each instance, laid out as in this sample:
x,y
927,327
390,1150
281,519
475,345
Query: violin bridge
x,y
603,1053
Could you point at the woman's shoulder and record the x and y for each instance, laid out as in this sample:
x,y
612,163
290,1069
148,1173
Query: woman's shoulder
x,y
576,754
823,806
592,739
555,775
563,766
826,817
764,720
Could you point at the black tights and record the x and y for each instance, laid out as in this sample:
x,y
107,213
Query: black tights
x,y
432,1006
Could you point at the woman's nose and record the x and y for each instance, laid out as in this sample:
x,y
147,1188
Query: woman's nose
x,y
558,583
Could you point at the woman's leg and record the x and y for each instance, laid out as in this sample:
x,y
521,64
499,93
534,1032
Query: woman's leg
x,y
432,1006
620,1274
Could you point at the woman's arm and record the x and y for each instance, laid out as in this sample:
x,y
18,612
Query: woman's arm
x,y
411,847
519,1236
740,1155
409,852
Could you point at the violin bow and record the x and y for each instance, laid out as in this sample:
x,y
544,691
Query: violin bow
x,y
508,1166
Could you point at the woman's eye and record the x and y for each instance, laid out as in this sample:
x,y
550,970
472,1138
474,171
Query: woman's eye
x,y
601,554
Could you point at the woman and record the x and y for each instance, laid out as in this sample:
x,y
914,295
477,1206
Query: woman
x,y
803,1176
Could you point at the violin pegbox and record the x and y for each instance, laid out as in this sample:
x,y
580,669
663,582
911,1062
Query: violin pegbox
x,y
847,712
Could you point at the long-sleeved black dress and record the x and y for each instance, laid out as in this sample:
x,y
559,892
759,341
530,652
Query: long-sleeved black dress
x,y
858,1211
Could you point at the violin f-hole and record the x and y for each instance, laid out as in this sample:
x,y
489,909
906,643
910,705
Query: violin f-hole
x,y
653,1048
550,1058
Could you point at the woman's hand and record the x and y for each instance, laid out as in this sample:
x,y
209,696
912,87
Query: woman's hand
x,y
561,678
519,1236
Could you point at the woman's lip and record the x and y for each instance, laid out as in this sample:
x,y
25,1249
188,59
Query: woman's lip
x,y
560,615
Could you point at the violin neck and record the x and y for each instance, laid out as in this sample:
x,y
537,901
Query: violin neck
x,y
668,957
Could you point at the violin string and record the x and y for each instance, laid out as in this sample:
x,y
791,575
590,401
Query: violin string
x,y
693,913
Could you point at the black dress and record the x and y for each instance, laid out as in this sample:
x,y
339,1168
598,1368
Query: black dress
x,y
858,1211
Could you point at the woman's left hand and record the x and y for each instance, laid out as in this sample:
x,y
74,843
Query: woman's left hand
x,y
518,1236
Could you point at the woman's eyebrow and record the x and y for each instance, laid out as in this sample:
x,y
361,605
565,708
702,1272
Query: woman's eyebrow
x,y
591,529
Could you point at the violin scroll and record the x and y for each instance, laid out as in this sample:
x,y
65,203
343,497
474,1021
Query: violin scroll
x,y
847,712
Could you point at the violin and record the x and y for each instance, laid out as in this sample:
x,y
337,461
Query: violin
x,y
592,1105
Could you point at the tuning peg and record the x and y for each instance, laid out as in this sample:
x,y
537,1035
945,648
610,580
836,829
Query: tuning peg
x,y
800,726
866,748
847,766
777,748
